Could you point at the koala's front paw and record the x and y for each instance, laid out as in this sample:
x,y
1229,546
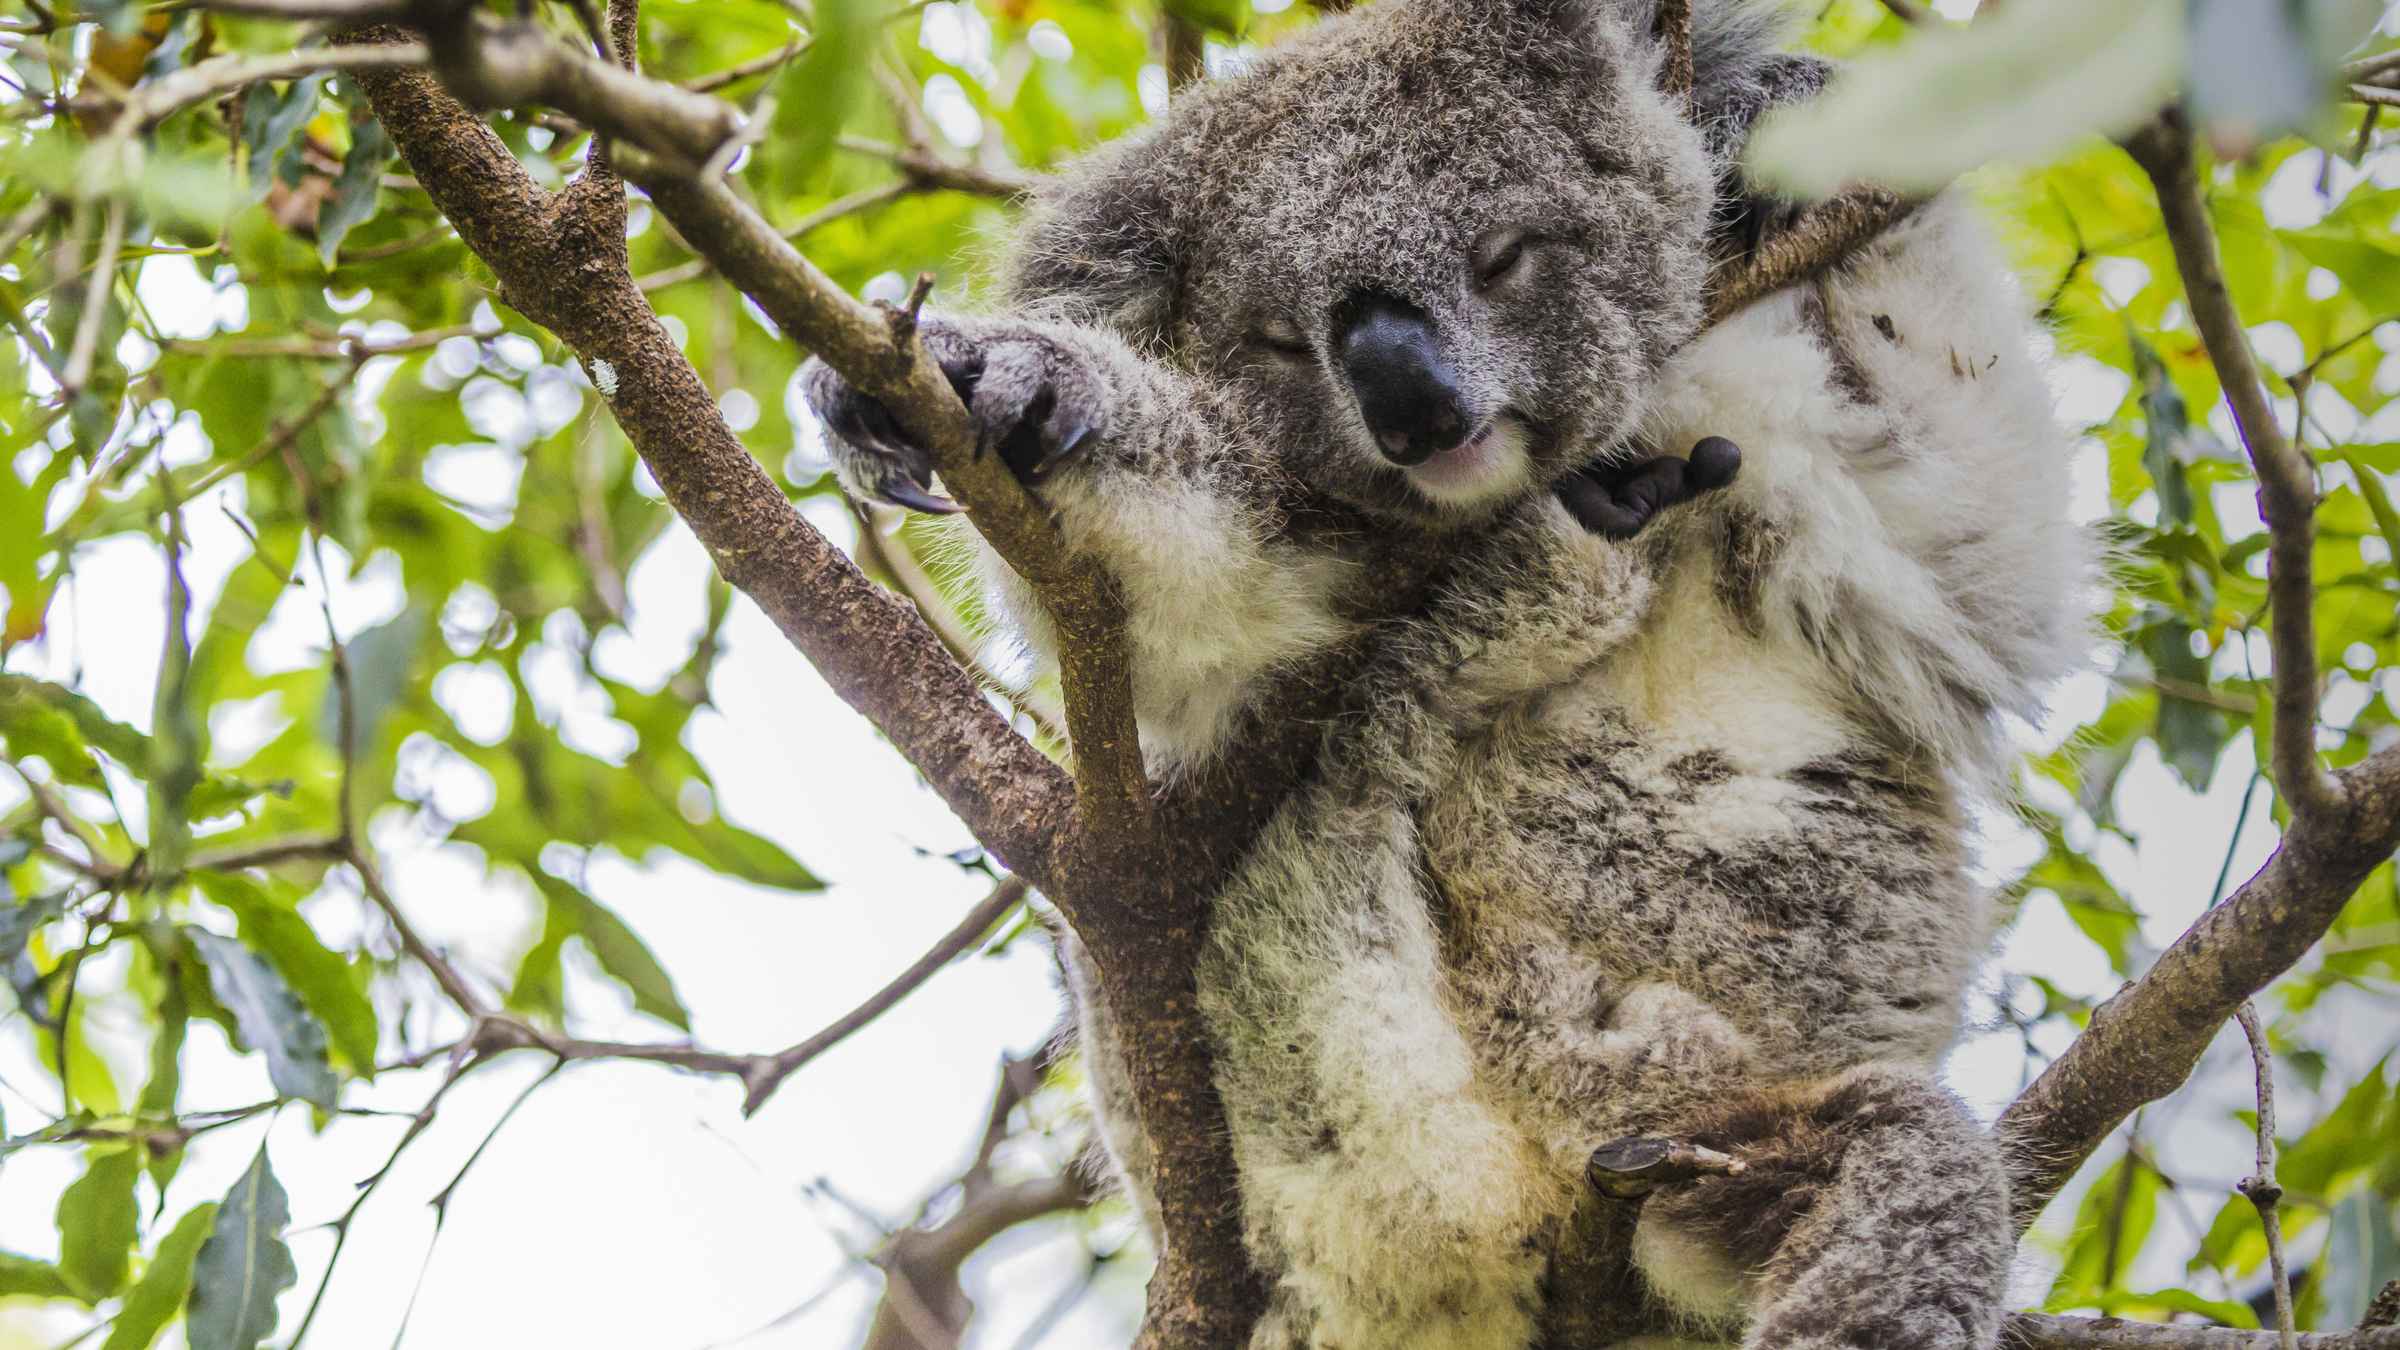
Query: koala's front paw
x,y
1034,401
1037,401
1617,500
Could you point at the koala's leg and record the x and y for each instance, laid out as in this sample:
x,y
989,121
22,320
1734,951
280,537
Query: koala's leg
x,y
1874,1213
1390,1201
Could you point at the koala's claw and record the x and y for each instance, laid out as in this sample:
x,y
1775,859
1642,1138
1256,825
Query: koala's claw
x,y
901,492
1035,404
1617,500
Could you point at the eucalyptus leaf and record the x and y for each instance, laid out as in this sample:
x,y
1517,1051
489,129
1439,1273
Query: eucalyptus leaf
x,y
271,924
622,954
273,1020
2023,83
159,1295
381,660
242,1266
98,1222
33,1278
355,191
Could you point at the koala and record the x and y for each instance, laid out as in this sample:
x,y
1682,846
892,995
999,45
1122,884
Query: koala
x,y
1653,817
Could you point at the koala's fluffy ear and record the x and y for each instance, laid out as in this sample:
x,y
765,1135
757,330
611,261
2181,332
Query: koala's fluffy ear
x,y
1739,71
1098,247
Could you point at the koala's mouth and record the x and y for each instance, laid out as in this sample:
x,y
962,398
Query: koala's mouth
x,y
1487,464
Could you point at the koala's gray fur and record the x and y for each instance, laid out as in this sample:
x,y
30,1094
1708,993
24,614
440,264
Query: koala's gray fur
x,y
1666,835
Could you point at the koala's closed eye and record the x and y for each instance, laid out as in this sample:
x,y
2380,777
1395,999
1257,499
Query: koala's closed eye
x,y
1281,335
1498,256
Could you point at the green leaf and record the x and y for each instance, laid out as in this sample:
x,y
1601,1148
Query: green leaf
x,y
271,925
175,748
18,922
242,1266
32,1278
2169,422
815,94
2191,734
272,1018
2111,1227
539,989
380,660
355,191
2379,501
22,507
63,727
271,123
2265,69
98,1222
619,952
159,1294
164,1086
2023,84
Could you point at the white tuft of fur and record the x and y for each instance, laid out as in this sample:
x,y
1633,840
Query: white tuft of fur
x,y
1929,559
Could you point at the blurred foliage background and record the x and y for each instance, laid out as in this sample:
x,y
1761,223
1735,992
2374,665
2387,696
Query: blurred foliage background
x,y
241,310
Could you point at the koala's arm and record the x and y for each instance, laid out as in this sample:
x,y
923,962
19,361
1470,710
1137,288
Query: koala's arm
x,y
1145,469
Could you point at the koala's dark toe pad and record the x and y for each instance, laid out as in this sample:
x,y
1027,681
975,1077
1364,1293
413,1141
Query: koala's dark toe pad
x,y
1618,500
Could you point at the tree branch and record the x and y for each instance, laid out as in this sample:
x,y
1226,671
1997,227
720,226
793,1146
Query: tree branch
x,y
569,275
1822,237
2287,489
930,170
2041,1331
2144,1042
893,367
1187,51
1674,33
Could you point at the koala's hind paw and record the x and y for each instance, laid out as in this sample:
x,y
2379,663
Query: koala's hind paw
x,y
1035,402
1617,500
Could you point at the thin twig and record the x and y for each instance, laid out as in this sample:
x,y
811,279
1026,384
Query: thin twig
x,y
95,300
281,436
444,974
742,70
2260,1188
50,804
2372,67
899,564
156,99
700,266
769,1075
935,171
25,222
344,347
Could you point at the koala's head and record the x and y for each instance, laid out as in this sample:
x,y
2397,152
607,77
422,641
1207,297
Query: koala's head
x,y
1436,248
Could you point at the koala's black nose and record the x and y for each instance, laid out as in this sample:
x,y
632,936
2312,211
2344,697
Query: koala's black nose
x,y
1405,385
